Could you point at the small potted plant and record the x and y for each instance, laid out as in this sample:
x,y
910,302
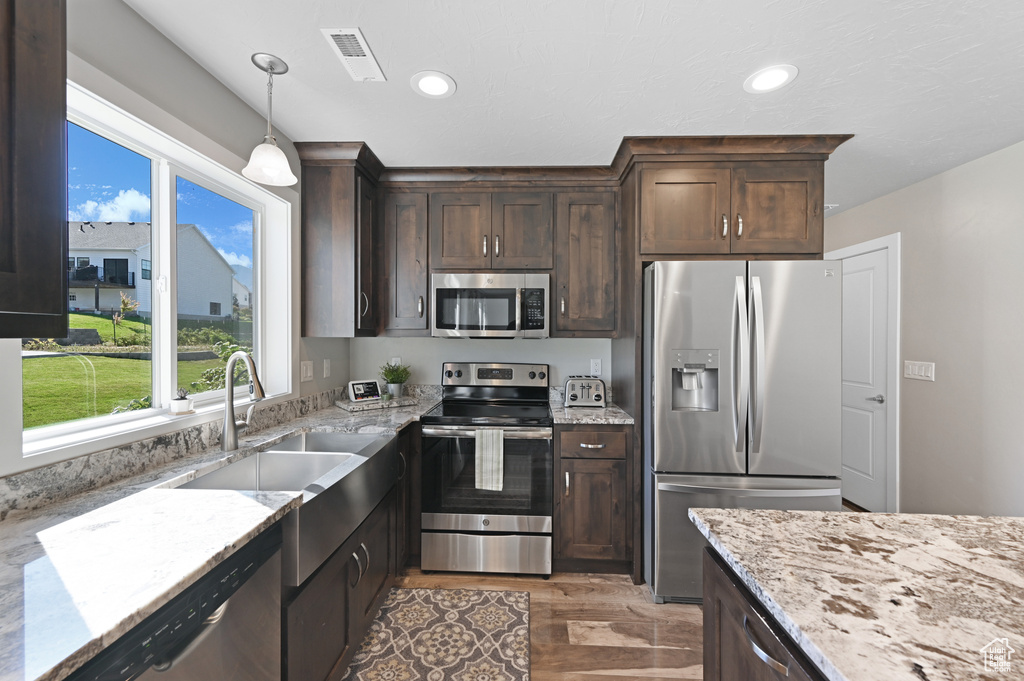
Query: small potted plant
x,y
182,404
394,375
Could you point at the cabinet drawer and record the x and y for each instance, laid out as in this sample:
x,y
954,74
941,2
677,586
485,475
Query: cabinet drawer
x,y
593,444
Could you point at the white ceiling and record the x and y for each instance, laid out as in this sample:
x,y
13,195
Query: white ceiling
x,y
925,85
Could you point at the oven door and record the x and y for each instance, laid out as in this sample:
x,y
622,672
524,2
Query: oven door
x,y
452,500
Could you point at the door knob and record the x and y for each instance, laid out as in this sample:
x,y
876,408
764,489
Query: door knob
x,y
877,398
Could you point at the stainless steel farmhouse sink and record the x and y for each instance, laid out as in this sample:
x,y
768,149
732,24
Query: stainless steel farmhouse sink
x,y
342,476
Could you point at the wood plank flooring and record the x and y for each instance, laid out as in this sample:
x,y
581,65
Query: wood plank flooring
x,y
589,627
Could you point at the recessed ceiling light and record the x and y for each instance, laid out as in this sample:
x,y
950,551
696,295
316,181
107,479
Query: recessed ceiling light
x,y
433,84
770,78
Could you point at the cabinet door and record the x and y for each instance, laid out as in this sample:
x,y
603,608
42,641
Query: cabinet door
x,y
366,312
460,231
739,641
684,211
522,230
592,517
316,623
777,208
405,248
33,169
584,303
374,545
330,289
402,504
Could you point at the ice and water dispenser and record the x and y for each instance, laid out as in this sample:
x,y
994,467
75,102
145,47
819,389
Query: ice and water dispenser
x,y
695,380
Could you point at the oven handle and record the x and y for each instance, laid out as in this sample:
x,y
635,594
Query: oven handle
x,y
470,431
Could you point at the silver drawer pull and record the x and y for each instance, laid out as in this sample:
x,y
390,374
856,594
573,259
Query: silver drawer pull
x,y
567,483
359,567
765,657
419,307
366,301
405,466
584,445
739,225
367,554
497,247
485,244
725,225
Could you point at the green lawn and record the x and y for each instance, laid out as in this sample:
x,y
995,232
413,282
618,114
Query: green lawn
x,y
102,323
67,388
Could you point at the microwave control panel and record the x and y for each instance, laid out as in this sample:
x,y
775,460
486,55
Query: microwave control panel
x,y
533,308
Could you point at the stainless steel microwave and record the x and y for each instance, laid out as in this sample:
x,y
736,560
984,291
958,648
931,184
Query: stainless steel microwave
x,y
498,305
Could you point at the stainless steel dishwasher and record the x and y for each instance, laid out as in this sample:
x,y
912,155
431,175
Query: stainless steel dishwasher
x,y
225,627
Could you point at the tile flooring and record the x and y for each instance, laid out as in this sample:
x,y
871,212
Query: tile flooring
x,y
588,627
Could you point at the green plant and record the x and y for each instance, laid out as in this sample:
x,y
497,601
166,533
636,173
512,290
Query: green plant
x,y
395,373
213,379
45,344
143,403
182,394
128,306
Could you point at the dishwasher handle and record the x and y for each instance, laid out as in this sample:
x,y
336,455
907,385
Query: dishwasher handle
x,y
746,492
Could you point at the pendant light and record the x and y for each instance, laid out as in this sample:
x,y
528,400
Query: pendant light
x,y
268,164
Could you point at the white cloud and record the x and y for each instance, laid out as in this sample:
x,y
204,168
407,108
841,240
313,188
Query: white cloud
x,y
236,259
242,227
127,205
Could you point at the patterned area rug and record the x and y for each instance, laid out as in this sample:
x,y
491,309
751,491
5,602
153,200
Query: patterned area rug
x,y
441,634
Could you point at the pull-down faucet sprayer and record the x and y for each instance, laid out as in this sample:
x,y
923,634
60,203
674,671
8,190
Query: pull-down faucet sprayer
x,y
232,424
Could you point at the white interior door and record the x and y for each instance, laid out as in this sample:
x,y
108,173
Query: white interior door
x,y
870,369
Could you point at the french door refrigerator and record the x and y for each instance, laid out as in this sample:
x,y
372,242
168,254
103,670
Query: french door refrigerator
x,y
742,384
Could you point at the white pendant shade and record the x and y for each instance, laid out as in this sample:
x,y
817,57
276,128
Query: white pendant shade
x,y
269,165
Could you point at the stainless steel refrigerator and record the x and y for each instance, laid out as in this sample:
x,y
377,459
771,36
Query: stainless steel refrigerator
x,y
742,400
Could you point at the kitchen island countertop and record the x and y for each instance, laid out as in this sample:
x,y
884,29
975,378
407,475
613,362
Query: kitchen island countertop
x,y
870,596
77,575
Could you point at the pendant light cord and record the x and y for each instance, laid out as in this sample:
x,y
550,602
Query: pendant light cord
x,y
270,101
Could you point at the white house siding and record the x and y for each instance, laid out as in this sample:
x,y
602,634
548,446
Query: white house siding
x,y
204,276
144,287
110,298
241,292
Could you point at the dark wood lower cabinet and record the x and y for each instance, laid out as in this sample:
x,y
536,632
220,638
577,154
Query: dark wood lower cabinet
x,y
591,507
742,642
326,621
407,522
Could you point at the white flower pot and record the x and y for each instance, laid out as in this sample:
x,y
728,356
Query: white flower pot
x,y
181,406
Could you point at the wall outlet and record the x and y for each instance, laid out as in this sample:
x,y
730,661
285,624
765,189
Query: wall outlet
x,y
306,371
396,360
595,367
919,371
327,368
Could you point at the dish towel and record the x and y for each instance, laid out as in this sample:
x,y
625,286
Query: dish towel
x,y
490,458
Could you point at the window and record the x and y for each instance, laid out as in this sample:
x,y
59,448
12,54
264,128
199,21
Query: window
x,y
71,263
138,196
72,297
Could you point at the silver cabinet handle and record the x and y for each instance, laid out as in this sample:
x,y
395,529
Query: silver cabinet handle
x,y
359,566
877,398
739,225
585,445
419,307
405,465
563,306
765,657
725,225
497,247
567,483
366,304
366,552
485,244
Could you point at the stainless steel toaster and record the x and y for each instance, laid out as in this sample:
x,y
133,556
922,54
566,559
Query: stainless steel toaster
x,y
585,391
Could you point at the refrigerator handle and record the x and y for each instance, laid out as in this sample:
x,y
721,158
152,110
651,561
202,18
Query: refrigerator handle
x,y
741,492
757,394
741,366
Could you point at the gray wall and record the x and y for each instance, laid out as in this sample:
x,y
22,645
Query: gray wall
x,y
567,356
963,238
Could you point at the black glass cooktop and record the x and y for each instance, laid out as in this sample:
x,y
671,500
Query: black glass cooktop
x,y
466,412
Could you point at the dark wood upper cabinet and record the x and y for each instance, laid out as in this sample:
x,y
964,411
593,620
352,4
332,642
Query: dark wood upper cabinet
x,y
405,255
460,231
480,231
33,169
522,230
761,207
585,277
338,225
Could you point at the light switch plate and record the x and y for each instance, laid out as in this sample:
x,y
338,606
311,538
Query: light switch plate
x,y
306,371
919,371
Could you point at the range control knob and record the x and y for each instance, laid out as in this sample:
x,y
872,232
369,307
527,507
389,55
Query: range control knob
x,y
449,373
533,374
458,373
572,397
542,375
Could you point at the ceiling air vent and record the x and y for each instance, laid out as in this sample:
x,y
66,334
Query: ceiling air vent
x,y
351,48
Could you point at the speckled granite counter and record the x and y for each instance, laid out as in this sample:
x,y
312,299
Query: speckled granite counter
x,y
607,415
78,574
882,596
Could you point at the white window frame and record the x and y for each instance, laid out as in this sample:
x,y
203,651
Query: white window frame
x,y
272,333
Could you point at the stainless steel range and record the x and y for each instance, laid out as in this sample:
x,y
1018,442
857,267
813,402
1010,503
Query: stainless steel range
x,y
487,471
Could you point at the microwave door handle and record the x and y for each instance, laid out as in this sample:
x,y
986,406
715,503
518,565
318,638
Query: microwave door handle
x,y
519,310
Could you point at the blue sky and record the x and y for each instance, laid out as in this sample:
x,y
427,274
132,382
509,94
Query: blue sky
x,y
109,183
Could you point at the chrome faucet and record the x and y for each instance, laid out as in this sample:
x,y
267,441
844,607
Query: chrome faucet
x,y
232,424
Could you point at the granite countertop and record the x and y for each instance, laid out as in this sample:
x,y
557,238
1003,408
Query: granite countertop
x,y
874,595
606,415
76,575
